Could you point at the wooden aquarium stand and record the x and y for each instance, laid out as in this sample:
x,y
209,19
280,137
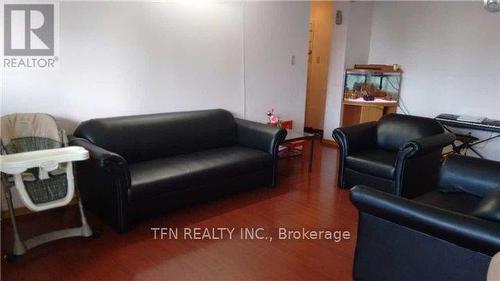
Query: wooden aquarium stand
x,y
360,111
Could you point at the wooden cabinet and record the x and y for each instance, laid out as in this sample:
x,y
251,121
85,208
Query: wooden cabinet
x,y
356,112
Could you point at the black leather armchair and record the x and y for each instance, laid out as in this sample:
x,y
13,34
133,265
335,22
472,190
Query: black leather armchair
x,y
142,165
450,233
393,154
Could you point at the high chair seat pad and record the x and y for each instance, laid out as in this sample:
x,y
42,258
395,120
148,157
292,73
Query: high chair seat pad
x,y
30,126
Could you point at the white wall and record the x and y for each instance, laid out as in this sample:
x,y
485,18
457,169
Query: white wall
x,y
334,90
275,31
359,35
450,54
125,58
133,58
119,58
350,45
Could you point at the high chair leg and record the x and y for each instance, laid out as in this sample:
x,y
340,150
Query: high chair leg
x,y
86,230
19,247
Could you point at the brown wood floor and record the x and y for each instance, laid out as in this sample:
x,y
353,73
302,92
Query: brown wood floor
x,y
301,200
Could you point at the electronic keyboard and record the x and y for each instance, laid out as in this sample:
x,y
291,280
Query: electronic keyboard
x,y
475,123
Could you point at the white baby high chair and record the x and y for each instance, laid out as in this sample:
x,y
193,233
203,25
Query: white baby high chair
x,y
37,162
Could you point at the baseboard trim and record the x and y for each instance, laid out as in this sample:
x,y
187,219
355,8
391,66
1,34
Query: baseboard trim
x,y
23,211
330,143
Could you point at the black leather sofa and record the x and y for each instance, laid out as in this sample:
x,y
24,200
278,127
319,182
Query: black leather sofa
x,y
399,154
142,165
450,233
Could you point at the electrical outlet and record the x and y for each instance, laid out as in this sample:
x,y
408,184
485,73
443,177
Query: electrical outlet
x,y
292,59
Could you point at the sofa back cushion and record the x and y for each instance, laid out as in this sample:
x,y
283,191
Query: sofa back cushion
x,y
394,130
146,137
471,175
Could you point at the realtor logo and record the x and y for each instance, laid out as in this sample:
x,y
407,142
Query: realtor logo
x,y
29,29
31,35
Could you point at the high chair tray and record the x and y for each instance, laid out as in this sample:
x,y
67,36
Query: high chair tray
x,y
19,162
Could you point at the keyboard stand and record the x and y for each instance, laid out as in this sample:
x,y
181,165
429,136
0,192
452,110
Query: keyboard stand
x,y
468,142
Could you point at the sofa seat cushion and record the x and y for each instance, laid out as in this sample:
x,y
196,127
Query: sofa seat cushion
x,y
376,162
489,207
454,201
154,177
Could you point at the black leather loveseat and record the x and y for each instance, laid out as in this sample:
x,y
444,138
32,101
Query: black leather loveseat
x,y
146,164
399,154
450,233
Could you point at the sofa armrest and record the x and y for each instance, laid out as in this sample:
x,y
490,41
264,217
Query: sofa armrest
x,y
419,157
428,144
260,136
103,158
355,138
466,231
103,183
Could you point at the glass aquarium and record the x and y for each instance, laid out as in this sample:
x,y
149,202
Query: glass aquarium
x,y
372,85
